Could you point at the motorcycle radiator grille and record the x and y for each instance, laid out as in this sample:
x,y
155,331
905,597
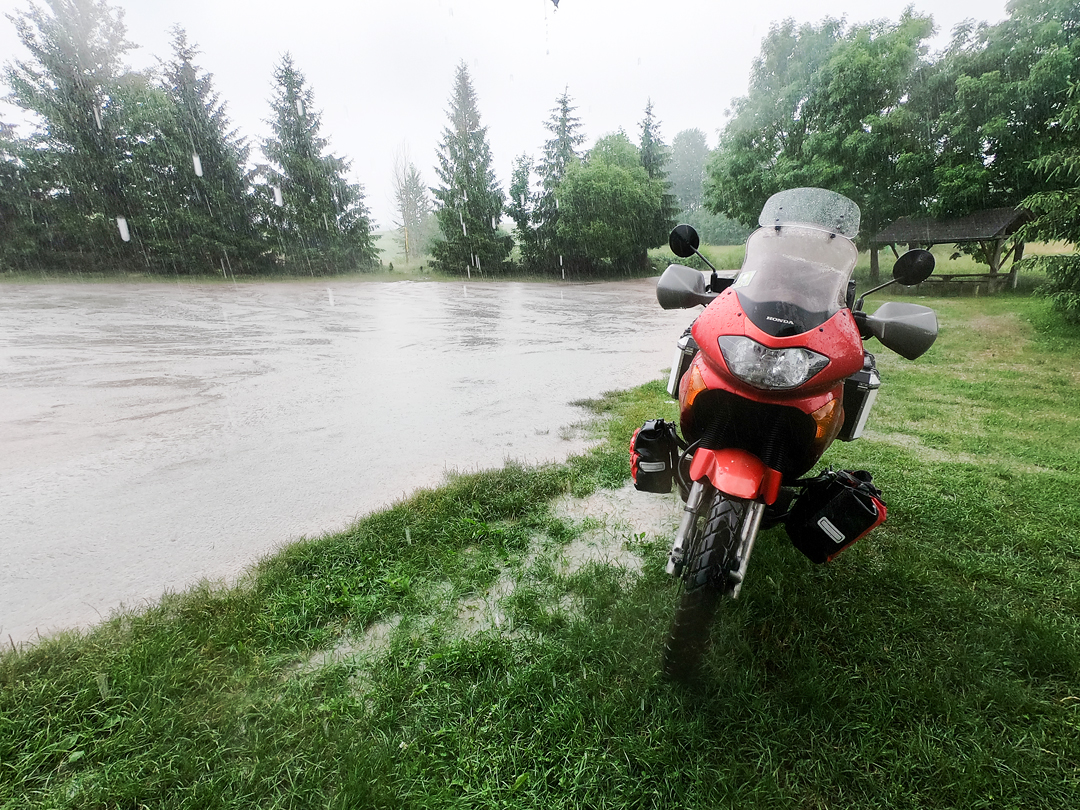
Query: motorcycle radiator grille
x,y
781,436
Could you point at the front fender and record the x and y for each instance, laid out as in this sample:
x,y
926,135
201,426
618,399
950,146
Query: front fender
x,y
737,473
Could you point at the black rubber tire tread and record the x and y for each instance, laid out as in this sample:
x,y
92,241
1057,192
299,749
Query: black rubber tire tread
x,y
703,585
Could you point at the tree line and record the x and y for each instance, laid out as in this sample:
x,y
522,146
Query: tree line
x,y
576,212
142,170
862,109
865,110
136,170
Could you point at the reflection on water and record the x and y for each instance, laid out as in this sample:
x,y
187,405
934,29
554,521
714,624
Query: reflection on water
x,y
155,435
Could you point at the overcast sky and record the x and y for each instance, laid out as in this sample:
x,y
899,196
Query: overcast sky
x,y
382,72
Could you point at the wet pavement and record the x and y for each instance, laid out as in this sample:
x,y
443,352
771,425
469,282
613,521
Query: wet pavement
x,y
156,435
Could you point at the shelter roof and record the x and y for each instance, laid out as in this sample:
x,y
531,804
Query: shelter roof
x,y
993,223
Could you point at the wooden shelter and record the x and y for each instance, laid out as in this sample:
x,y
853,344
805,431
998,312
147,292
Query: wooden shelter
x,y
992,230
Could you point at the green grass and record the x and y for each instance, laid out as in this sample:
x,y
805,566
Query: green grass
x,y
392,253
935,664
724,257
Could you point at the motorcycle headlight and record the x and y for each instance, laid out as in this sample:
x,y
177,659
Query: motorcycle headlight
x,y
763,367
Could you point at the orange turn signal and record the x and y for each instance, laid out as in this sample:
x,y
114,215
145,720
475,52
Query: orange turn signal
x,y
829,418
694,386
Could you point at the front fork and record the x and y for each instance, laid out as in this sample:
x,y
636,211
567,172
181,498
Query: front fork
x,y
751,523
696,502
691,511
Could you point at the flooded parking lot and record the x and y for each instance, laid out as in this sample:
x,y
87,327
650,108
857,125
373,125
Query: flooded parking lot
x,y
155,435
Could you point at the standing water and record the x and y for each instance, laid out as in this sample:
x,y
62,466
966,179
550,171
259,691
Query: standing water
x,y
155,435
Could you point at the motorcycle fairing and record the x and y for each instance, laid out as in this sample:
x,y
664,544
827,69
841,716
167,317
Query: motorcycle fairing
x,y
736,473
706,416
838,338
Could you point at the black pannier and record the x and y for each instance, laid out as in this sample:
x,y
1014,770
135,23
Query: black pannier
x,y
834,509
654,452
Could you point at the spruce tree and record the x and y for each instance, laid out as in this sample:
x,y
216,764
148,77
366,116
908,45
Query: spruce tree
x,y
412,207
212,215
312,214
73,82
655,157
17,228
469,200
561,150
560,153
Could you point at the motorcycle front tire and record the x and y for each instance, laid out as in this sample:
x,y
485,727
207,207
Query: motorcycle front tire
x,y
705,582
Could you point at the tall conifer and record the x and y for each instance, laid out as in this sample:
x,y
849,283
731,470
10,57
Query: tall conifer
x,y
72,81
412,207
212,212
560,153
314,216
655,157
469,199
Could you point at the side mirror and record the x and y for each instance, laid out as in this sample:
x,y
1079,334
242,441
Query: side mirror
x,y
907,329
682,287
684,241
914,267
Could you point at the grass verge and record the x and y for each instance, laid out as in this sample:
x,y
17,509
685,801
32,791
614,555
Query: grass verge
x,y
934,664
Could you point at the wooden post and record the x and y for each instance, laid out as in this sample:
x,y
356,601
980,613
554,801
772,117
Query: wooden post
x,y
1018,255
994,255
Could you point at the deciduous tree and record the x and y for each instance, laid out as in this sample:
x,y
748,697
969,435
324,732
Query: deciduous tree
x,y
826,108
608,208
689,154
521,207
1005,87
1056,211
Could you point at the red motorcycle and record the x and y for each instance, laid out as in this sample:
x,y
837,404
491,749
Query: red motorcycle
x,y
767,377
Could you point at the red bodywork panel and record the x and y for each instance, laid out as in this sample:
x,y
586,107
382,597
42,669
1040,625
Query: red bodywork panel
x,y
838,339
736,473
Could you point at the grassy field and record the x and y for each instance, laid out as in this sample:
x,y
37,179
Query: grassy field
x,y
936,664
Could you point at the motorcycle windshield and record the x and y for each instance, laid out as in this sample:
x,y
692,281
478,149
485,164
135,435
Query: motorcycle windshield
x,y
811,206
794,278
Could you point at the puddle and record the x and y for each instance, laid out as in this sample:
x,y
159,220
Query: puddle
x,y
374,640
621,514
616,517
